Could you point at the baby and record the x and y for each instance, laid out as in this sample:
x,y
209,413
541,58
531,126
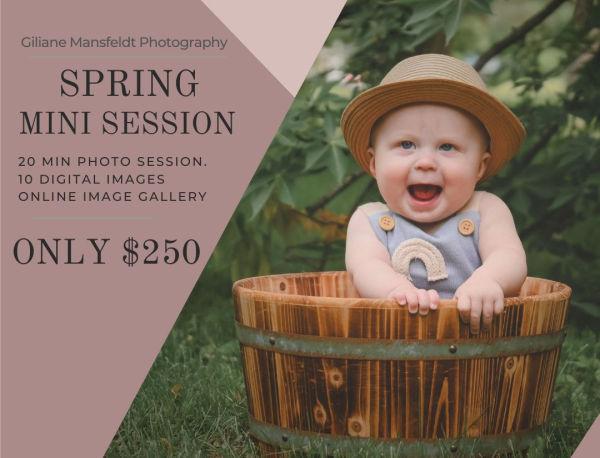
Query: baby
x,y
428,134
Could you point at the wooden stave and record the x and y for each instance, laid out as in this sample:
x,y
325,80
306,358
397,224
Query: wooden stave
x,y
255,308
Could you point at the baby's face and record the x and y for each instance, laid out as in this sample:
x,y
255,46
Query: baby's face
x,y
427,159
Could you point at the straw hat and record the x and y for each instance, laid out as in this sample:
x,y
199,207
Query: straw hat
x,y
439,79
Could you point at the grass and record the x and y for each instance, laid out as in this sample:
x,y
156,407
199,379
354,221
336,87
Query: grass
x,y
193,402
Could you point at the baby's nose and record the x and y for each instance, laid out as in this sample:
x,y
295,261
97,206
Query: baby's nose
x,y
426,161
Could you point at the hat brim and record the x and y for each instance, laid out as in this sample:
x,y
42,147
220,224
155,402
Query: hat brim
x,y
504,128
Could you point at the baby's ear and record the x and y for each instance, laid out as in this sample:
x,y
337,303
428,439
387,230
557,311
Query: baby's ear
x,y
371,153
485,158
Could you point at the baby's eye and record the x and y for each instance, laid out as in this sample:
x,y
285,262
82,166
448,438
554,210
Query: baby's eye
x,y
447,147
407,144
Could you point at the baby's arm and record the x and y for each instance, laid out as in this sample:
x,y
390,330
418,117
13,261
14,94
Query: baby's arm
x,y
503,268
368,264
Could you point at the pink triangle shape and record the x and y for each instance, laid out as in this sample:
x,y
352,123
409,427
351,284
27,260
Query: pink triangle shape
x,y
284,35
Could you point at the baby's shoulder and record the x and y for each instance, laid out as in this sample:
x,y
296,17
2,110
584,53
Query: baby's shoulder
x,y
362,220
373,208
492,208
481,201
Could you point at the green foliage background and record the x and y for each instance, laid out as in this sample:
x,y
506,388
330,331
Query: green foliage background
x,y
293,215
542,58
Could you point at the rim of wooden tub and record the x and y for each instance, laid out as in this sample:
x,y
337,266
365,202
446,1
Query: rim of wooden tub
x,y
362,347
562,292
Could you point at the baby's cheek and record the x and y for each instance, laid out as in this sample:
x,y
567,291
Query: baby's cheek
x,y
391,192
393,176
462,180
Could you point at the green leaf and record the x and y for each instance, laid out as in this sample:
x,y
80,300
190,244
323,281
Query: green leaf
x,y
285,194
433,28
408,2
452,20
418,29
313,156
337,164
483,5
255,184
259,199
562,199
425,10
331,125
315,95
284,140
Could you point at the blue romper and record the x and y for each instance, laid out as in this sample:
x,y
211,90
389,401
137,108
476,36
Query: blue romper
x,y
442,260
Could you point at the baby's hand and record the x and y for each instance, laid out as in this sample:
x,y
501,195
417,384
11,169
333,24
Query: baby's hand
x,y
420,300
479,299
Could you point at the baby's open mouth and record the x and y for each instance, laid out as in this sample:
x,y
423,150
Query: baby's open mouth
x,y
424,192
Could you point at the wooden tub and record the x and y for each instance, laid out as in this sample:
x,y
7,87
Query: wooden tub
x,y
327,369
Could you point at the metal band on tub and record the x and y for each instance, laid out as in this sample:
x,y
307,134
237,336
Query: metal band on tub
x,y
464,446
390,349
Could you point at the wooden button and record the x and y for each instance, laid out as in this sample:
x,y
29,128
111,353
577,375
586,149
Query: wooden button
x,y
466,226
386,222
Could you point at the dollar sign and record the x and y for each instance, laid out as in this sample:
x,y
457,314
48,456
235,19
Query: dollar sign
x,y
130,246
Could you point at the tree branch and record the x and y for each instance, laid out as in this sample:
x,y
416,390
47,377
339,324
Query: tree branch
x,y
317,220
309,244
528,155
517,34
329,197
362,195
